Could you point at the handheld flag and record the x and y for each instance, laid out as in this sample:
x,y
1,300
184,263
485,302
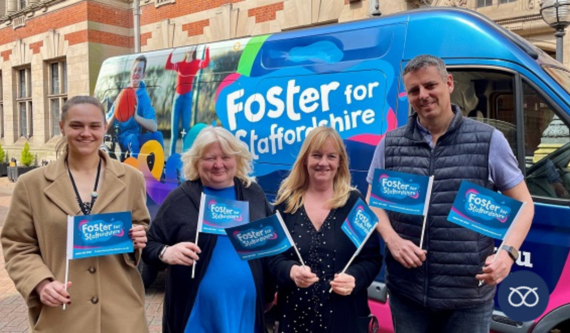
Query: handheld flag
x,y
402,192
261,238
218,213
97,235
484,211
359,225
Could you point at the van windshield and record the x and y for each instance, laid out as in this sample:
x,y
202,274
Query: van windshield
x,y
560,75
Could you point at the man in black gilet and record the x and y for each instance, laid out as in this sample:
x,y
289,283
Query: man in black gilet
x,y
438,288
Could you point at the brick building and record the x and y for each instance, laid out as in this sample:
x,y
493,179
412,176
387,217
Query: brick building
x,y
52,49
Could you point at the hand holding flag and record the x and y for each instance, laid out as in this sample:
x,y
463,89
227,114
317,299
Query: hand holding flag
x,y
358,226
486,212
403,193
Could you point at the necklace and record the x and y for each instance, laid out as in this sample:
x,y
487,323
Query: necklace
x,y
85,206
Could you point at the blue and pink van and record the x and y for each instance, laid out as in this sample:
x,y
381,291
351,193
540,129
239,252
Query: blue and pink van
x,y
271,90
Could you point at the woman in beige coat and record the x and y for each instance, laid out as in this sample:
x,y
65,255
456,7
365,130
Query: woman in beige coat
x,y
105,294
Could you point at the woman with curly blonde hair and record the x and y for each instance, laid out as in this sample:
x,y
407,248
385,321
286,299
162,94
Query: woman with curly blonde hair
x,y
314,200
227,294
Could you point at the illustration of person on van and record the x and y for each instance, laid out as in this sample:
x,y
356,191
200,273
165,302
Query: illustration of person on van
x,y
130,128
182,104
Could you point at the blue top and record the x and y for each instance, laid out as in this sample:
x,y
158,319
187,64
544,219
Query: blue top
x,y
504,169
226,297
144,109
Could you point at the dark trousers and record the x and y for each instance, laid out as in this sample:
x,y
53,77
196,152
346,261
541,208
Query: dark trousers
x,y
411,317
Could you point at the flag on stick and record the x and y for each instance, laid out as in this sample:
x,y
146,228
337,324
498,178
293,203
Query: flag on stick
x,y
484,211
359,225
218,213
97,235
261,238
403,193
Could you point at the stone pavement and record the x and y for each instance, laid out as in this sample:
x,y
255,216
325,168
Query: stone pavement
x,y
13,310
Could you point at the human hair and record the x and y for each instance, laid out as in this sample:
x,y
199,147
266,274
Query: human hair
x,y
61,146
141,58
229,145
426,60
295,185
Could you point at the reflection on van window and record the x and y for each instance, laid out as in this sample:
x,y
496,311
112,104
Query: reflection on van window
x,y
488,97
559,75
547,148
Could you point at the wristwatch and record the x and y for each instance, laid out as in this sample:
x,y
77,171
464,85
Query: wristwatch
x,y
513,253
162,252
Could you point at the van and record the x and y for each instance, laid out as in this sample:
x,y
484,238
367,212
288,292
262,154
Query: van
x,y
271,90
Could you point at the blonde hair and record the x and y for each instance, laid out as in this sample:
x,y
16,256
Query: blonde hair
x,y
229,145
293,188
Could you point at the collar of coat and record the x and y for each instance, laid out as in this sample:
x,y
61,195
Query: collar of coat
x,y
60,190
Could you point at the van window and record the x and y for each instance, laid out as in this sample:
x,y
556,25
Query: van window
x,y
547,148
488,96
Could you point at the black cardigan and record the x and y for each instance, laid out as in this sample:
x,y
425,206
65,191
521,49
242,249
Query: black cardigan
x,y
351,311
176,222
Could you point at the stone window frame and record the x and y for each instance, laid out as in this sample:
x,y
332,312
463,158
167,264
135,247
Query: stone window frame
x,y
159,3
24,106
56,92
486,3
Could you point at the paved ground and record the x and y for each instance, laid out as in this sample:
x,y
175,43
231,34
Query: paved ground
x,y
13,310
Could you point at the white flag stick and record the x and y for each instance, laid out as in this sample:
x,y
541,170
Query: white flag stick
x,y
69,251
66,277
289,237
426,209
357,251
199,226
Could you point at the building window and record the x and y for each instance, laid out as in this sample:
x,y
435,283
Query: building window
x,y
22,4
506,1
484,3
24,102
57,92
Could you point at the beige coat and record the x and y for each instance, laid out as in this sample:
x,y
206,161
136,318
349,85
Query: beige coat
x,y
107,294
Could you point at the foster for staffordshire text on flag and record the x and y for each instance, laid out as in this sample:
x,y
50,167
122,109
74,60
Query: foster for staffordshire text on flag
x,y
401,192
98,235
484,211
217,213
261,238
359,224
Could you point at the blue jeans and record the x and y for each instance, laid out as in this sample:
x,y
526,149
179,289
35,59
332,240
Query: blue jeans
x,y
410,317
133,142
181,108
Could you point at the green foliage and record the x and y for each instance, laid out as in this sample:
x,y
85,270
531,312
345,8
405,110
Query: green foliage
x,y
27,158
2,154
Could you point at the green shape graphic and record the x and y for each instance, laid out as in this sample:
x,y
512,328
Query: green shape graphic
x,y
249,53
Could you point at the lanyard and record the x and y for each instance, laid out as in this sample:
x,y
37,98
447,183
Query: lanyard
x,y
85,206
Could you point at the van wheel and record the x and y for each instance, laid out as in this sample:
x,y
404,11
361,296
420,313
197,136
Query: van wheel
x,y
562,327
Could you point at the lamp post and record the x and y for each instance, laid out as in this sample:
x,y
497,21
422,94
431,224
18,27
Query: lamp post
x,y
556,13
